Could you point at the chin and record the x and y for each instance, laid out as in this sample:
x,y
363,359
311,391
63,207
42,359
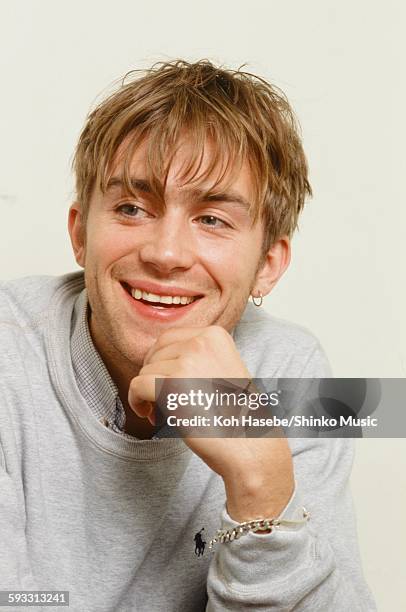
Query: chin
x,y
136,354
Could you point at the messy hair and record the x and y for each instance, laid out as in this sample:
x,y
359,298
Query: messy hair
x,y
245,117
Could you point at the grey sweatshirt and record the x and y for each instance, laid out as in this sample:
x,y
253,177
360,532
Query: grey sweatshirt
x,y
112,519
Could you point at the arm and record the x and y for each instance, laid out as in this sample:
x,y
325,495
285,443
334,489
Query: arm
x,y
314,568
15,567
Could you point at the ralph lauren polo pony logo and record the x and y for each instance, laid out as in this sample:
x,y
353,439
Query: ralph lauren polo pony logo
x,y
200,544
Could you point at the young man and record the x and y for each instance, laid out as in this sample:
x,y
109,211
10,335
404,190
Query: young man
x,y
190,180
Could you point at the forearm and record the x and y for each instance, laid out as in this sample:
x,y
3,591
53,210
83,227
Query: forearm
x,y
312,567
256,488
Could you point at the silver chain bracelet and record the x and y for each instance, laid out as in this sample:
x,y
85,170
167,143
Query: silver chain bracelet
x,y
228,535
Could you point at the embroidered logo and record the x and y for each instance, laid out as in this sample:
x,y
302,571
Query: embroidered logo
x,y
200,544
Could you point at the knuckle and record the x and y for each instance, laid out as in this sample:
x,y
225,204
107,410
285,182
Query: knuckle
x,y
197,343
186,364
134,384
144,370
218,334
217,331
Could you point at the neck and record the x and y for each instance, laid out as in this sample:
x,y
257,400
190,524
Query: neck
x,y
122,372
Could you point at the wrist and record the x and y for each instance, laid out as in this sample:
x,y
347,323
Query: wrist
x,y
254,497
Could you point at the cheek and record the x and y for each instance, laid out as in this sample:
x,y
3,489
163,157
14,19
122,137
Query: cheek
x,y
220,254
106,246
233,266
218,265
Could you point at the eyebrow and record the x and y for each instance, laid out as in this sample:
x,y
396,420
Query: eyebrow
x,y
197,194
139,184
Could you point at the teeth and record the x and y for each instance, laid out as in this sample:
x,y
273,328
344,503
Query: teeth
x,y
150,297
161,299
166,299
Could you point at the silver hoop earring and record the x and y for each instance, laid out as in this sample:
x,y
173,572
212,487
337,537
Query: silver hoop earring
x,y
259,303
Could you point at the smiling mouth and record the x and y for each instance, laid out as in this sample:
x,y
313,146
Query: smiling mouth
x,y
160,301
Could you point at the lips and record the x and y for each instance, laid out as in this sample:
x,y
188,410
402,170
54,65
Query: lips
x,y
155,288
166,299
159,311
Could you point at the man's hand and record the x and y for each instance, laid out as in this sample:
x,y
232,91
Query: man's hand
x,y
196,352
257,472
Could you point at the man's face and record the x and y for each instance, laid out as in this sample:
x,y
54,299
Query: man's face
x,y
205,250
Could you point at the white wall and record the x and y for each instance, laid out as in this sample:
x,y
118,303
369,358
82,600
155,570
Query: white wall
x,y
341,66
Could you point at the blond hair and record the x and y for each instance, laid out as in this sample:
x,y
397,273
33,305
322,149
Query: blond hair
x,y
246,118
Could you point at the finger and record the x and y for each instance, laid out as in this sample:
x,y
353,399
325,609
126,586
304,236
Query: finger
x,y
161,369
173,335
145,410
142,389
172,351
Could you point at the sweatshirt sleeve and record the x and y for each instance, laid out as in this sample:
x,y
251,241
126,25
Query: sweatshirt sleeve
x,y
15,567
314,567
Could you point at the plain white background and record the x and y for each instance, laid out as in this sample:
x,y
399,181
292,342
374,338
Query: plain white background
x,y
341,65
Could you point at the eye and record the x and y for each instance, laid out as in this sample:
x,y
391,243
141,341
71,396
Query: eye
x,y
132,211
212,221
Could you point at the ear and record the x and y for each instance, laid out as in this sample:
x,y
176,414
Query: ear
x,y
77,233
276,261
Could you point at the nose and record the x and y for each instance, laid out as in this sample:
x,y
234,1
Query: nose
x,y
168,245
